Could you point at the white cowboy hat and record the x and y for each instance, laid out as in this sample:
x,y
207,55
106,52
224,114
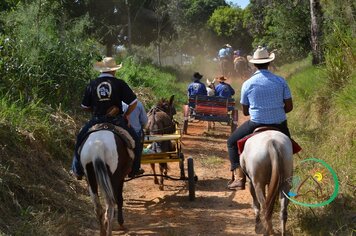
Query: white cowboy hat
x,y
106,65
261,56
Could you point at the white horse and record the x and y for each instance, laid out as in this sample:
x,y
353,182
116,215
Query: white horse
x,y
267,160
106,161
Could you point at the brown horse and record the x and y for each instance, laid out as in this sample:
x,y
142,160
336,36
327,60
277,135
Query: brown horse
x,y
107,157
160,121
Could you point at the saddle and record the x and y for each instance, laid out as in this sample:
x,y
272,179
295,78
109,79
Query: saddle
x,y
117,130
241,142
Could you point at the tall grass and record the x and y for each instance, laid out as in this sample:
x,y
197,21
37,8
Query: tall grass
x,y
323,122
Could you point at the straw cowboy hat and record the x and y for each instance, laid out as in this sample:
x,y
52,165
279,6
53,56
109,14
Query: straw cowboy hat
x,y
220,78
261,56
106,65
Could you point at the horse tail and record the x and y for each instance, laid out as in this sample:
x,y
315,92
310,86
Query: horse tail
x,y
103,179
276,177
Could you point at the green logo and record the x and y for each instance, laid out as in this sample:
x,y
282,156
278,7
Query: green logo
x,y
314,184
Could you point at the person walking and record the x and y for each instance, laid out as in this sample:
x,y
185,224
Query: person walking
x,y
266,98
138,121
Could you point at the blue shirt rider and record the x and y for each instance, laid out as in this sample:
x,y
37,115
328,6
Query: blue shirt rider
x,y
223,89
196,87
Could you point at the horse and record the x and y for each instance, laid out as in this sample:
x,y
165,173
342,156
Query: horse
x,y
267,160
241,67
160,121
107,156
210,88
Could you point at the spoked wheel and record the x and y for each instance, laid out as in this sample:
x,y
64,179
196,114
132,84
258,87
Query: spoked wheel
x,y
191,179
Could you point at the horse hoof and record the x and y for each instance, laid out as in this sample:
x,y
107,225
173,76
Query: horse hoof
x,y
122,227
156,181
161,187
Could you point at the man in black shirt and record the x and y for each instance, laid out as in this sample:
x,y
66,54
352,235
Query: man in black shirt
x,y
103,97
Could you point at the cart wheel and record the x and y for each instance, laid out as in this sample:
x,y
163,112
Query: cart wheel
x,y
185,127
191,179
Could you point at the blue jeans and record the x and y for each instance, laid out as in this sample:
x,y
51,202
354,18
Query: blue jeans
x,y
243,130
120,121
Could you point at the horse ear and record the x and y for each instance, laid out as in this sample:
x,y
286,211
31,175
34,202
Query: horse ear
x,y
213,82
171,100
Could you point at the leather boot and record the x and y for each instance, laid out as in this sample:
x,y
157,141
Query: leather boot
x,y
240,180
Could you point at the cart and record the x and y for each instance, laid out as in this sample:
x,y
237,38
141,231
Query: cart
x,y
212,108
173,156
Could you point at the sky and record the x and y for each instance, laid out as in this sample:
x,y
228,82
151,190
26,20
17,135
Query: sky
x,y
241,3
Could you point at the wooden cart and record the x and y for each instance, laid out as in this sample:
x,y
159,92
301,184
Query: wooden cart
x,y
212,108
173,156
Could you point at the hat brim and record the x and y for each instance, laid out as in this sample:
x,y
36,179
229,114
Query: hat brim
x,y
261,61
101,68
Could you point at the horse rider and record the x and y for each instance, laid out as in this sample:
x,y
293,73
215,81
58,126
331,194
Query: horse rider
x,y
223,89
225,56
103,97
266,98
195,88
138,120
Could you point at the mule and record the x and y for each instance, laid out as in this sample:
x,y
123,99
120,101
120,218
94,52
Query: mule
x,y
210,88
267,160
160,121
107,159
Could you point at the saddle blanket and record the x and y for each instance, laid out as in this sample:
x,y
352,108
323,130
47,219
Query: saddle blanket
x,y
241,144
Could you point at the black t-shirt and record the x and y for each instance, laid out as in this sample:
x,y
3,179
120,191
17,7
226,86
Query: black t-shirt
x,y
105,92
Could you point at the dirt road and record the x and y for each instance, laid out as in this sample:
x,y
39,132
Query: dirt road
x,y
215,211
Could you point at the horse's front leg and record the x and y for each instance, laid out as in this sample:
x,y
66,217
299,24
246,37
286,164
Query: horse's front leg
x,y
163,169
153,167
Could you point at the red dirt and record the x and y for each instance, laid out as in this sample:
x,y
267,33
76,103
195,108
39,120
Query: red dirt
x,y
215,211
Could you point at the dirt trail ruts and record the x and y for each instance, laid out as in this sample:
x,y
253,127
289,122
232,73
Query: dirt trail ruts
x,y
215,211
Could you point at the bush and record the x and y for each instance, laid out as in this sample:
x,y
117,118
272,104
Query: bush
x,y
44,57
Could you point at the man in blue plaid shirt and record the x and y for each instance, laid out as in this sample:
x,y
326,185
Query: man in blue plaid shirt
x,y
266,98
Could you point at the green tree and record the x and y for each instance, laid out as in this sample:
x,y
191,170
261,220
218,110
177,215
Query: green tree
x,y
283,25
190,19
227,22
43,57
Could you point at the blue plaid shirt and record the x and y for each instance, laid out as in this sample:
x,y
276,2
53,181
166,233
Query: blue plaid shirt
x,y
264,93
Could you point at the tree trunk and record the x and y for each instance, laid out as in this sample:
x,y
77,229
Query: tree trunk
x,y
316,31
109,49
128,26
